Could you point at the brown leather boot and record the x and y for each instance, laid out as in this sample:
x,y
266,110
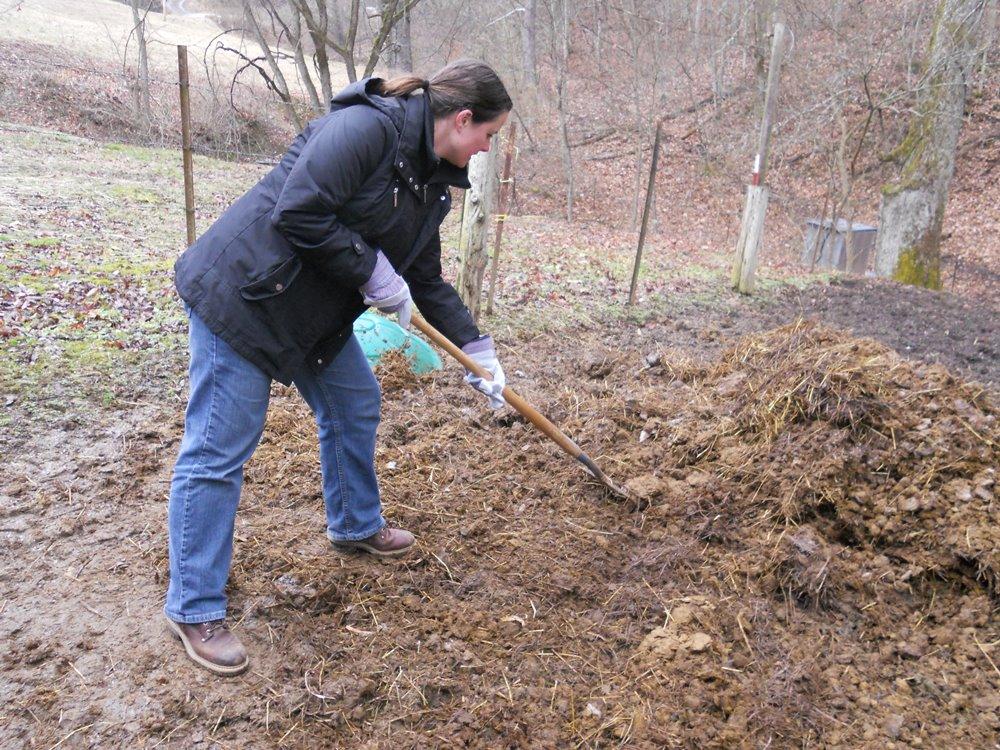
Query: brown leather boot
x,y
387,542
212,646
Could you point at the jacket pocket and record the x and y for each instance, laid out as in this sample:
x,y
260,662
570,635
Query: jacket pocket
x,y
274,281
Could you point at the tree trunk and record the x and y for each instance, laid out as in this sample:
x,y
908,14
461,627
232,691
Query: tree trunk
x,y
335,17
567,154
396,50
912,213
528,43
295,31
143,108
322,58
392,40
637,172
640,110
401,45
479,202
598,27
761,47
991,15
278,81
560,50
696,31
752,227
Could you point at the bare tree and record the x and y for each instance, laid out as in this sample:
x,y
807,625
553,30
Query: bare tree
x,y
316,32
696,16
294,32
399,50
528,43
643,30
276,80
728,21
988,35
912,212
763,10
141,84
557,37
317,20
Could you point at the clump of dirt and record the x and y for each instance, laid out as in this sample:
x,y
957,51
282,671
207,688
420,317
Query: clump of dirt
x,y
395,372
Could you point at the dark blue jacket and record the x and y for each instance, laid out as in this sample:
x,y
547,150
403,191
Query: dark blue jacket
x,y
277,275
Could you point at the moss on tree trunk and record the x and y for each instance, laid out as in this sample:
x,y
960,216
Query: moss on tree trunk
x,y
914,267
912,212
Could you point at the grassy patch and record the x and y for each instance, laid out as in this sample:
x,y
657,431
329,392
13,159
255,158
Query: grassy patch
x,y
43,242
136,194
64,370
91,321
139,153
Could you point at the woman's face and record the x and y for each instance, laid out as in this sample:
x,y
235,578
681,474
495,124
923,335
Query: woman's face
x,y
458,138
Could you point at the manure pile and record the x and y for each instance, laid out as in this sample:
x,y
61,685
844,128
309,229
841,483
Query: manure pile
x,y
810,426
811,557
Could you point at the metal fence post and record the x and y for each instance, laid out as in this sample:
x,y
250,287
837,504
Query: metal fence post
x,y
502,204
182,71
645,212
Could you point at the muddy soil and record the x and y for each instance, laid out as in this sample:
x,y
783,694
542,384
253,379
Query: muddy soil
x,y
810,556
954,330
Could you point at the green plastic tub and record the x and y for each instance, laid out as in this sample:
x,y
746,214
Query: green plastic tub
x,y
377,335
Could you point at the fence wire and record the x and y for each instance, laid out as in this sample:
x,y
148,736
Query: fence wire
x,y
90,71
240,115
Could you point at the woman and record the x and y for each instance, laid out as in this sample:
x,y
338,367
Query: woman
x,y
349,219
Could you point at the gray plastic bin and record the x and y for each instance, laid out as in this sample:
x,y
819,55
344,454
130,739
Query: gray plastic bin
x,y
831,251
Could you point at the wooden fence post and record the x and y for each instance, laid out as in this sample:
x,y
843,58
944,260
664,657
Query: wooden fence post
x,y
751,232
182,71
645,212
752,226
502,205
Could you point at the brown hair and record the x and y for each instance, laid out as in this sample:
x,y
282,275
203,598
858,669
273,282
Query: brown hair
x,y
463,84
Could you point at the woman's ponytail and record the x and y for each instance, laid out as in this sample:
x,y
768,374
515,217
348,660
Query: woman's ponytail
x,y
403,85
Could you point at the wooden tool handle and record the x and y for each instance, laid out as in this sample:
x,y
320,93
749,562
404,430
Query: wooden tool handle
x,y
510,396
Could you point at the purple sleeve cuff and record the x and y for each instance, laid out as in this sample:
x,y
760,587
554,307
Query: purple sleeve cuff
x,y
382,274
480,345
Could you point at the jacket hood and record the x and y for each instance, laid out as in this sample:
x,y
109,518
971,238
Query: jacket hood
x,y
415,158
365,91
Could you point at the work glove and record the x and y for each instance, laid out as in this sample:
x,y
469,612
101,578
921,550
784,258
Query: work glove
x,y
387,291
484,354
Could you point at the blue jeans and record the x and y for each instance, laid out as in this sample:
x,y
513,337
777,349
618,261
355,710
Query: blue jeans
x,y
225,417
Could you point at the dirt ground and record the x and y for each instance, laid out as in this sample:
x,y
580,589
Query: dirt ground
x,y
811,556
954,330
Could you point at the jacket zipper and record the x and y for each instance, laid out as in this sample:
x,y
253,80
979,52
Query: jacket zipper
x,y
395,196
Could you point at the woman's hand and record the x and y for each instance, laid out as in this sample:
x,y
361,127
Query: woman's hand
x,y
387,292
484,354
